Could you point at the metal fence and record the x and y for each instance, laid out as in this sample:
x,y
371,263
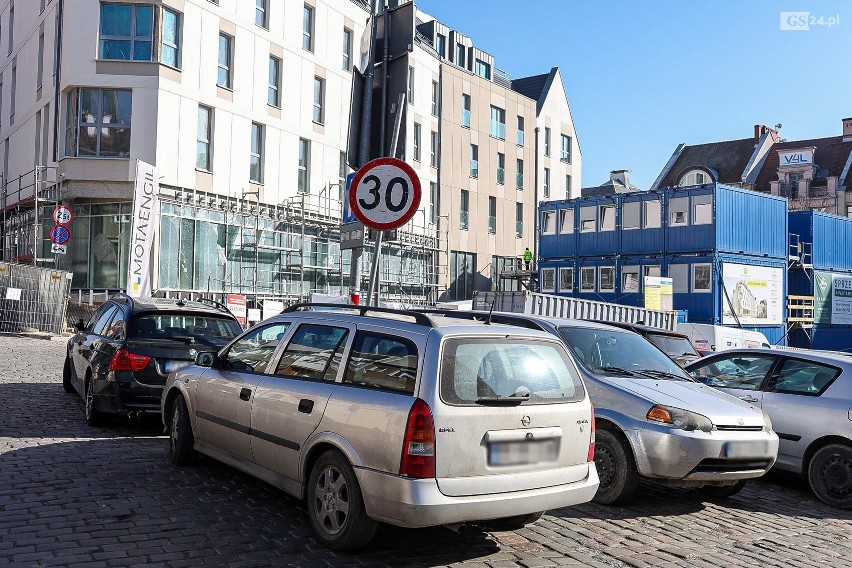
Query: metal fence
x,y
32,299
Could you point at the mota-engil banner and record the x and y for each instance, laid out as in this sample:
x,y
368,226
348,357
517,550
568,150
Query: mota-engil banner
x,y
146,214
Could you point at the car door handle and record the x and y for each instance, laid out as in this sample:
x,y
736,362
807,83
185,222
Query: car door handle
x,y
748,398
245,394
306,405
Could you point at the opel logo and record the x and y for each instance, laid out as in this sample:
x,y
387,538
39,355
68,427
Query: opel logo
x,y
525,421
741,421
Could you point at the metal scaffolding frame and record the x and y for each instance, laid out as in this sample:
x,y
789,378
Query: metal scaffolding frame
x,y
27,204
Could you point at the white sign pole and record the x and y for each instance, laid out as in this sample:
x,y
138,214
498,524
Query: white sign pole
x,y
146,215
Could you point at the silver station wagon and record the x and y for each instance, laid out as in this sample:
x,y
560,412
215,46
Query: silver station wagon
x,y
376,415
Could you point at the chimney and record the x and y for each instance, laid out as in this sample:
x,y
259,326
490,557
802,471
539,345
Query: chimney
x,y
761,129
847,129
620,176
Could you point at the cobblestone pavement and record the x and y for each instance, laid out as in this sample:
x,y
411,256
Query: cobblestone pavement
x,y
70,494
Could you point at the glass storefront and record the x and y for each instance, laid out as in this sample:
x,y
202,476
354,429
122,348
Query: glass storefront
x,y
100,237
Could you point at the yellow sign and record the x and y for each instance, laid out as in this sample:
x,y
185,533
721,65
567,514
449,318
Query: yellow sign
x,y
658,293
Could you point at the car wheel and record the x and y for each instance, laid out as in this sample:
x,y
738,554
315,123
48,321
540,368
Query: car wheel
x,y
181,439
723,491
516,522
93,416
66,375
616,470
830,475
335,506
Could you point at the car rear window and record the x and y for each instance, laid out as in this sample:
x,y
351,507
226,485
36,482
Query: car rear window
x,y
382,362
474,369
672,345
189,328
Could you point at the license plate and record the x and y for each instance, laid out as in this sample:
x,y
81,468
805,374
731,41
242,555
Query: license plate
x,y
519,453
749,449
172,366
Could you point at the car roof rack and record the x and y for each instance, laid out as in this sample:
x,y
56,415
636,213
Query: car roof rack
x,y
124,297
506,319
419,317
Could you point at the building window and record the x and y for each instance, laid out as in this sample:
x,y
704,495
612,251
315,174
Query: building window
x,y
435,93
519,177
433,200
546,141
587,279
588,219
260,14
607,279
40,70
679,273
203,154
304,166
463,209
607,216
519,220
433,149
171,39
341,176
319,99
653,216
482,69
224,78
308,28
465,117
567,186
256,162
462,271
548,279
630,215
416,148
460,49
501,168
566,280
520,131
492,215
565,152
630,280
474,161
127,32
566,221
99,123
678,208
13,96
411,85
702,277
498,123
548,222
694,177
546,183
274,92
441,45
347,49
702,209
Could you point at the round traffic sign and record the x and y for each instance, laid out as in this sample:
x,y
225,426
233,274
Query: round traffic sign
x,y
62,215
60,235
385,193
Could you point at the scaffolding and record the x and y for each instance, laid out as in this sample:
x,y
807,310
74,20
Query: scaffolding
x,y
27,208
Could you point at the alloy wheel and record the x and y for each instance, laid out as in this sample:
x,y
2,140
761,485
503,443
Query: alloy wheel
x,y
331,504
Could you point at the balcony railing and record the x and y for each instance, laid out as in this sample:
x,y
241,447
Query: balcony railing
x,y
492,225
520,181
520,137
498,130
474,169
463,219
501,176
466,118
519,229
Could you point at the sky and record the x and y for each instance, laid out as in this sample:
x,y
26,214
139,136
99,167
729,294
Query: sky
x,y
643,77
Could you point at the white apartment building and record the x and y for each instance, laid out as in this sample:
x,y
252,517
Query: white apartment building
x,y
244,106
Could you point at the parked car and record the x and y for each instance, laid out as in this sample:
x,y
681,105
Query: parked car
x,y
652,419
380,415
808,396
118,361
676,345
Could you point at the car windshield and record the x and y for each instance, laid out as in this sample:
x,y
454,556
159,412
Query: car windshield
x,y
672,345
522,371
618,353
188,328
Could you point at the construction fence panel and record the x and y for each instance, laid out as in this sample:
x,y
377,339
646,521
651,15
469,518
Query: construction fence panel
x,y
33,299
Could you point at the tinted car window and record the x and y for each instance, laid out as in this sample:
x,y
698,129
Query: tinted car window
x,y
313,352
106,317
199,328
736,371
117,328
478,369
383,362
253,351
672,345
803,377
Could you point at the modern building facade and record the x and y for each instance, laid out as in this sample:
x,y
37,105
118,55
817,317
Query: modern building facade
x,y
244,108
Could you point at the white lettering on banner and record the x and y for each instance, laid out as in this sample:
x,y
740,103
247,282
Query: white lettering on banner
x,y
146,215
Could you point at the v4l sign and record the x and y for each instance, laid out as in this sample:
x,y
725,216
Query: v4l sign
x,y
385,193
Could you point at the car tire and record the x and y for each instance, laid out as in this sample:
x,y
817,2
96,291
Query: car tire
x,y
93,416
181,438
723,491
516,522
616,469
66,375
830,475
335,505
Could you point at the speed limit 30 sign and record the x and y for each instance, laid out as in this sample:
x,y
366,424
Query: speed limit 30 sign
x,y
384,194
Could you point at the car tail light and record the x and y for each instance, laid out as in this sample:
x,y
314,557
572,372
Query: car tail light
x,y
591,456
124,360
418,447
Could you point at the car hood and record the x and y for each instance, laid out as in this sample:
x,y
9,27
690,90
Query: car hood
x,y
719,407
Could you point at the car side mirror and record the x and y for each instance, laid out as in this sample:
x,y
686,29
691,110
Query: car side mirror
x,y
205,359
80,325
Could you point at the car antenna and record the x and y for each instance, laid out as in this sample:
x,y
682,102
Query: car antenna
x,y
491,311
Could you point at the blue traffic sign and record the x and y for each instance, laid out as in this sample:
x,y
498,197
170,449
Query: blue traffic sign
x,y
60,235
348,215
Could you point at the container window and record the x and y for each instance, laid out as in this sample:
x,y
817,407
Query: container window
x,y
607,217
548,279
566,279
678,208
652,270
588,219
630,279
630,215
679,273
548,222
566,221
652,214
607,279
702,209
701,277
587,279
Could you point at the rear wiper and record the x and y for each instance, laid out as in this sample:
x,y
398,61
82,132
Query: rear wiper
x,y
511,400
617,370
666,374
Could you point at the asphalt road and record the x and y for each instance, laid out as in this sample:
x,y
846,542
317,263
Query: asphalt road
x,y
75,495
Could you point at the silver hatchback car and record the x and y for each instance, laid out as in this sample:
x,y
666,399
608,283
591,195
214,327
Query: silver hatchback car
x,y
384,415
808,396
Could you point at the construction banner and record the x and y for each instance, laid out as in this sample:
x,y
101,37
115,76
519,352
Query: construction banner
x,y
146,218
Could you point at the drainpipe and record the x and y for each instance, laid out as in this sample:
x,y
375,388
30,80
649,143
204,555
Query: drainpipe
x,y
58,72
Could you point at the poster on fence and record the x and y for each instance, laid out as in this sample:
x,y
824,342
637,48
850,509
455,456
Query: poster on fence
x,y
832,298
752,294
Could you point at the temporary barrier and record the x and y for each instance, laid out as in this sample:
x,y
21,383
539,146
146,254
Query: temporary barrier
x,y
32,299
